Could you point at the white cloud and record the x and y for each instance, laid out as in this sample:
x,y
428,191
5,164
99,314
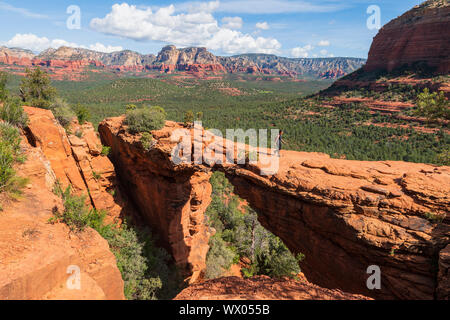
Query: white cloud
x,y
263,25
323,52
24,12
232,22
301,52
193,28
100,47
33,42
324,43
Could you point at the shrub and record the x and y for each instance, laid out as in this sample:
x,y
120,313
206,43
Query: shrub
x,y
10,153
83,114
432,105
147,141
188,118
130,107
62,112
219,258
106,151
13,113
3,81
443,158
145,120
36,88
76,214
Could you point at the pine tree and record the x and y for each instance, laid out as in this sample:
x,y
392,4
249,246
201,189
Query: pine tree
x,y
36,89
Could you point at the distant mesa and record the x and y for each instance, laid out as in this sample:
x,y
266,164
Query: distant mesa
x,y
198,62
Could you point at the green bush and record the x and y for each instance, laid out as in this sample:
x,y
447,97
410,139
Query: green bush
x,y
83,114
3,81
219,258
130,107
76,214
62,112
36,88
188,118
13,113
432,105
106,151
10,153
145,119
147,141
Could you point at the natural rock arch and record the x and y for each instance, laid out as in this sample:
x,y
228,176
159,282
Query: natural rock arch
x,y
343,215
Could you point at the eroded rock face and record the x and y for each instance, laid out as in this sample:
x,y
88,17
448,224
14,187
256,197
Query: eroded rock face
x,y
443,290
261,288
343,215
171,201
418,36
35,255
77,161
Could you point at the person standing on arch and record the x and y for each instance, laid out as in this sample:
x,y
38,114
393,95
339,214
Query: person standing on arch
x,y
279,142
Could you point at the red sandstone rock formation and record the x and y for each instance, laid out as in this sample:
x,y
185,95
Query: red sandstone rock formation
x,y
172,202
261,288
418,36
343,215
35,255
443,289
77,161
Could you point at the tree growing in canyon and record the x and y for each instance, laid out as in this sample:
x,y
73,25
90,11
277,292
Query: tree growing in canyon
x,y
36,89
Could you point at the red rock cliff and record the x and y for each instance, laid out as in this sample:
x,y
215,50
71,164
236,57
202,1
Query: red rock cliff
x,y
343,215
418,36
35,255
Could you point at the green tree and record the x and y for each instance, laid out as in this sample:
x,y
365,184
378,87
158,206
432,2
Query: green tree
x,y
3,81
432,105
13,113
188,118
83,113
36,88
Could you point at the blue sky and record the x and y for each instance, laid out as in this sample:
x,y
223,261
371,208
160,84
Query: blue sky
x,y
302,28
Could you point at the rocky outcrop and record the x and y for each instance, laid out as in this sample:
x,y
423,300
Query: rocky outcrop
x,y
39,260
416,37
15,56
343,215
261,288
76,160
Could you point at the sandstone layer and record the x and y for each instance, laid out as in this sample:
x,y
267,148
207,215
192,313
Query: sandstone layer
x,y
343,215
417,37
261,288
